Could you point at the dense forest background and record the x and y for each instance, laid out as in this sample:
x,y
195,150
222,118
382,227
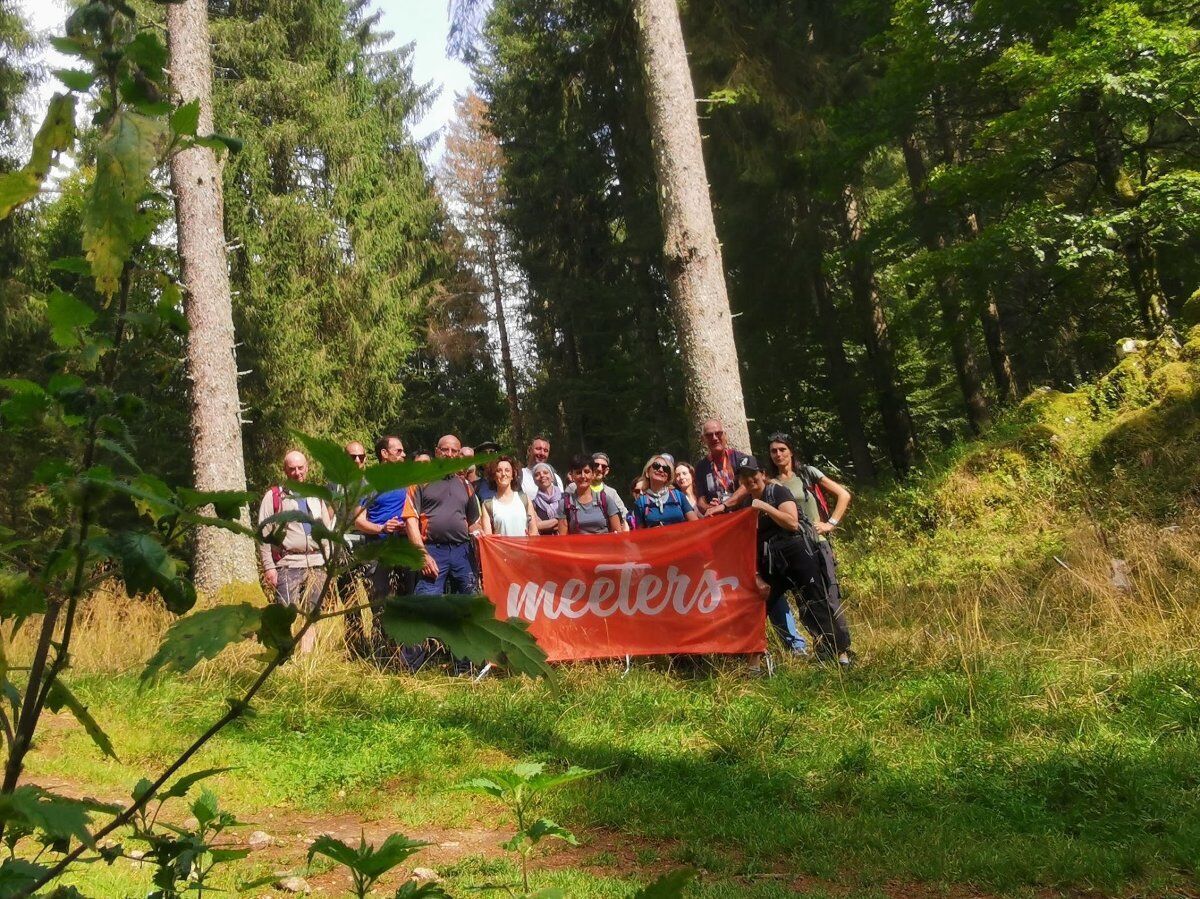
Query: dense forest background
x,y
927,209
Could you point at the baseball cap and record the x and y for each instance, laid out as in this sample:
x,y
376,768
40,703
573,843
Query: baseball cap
x,y
748,464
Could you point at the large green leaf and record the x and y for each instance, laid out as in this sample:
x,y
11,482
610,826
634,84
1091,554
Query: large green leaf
x,y
395,849
541,781
365,859
126,156
202,635
148,52
56,816
186,118
55,135
670,886
180,788
394,475
337,466
330,847
17,875
67,314
60,697
543,828
275,631
226,503
146,566
391,551
469,627
19,598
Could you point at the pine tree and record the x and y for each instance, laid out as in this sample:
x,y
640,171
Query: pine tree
x,y
470,179
695,270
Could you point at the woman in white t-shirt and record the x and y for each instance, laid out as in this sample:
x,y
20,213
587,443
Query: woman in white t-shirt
x,y
509,513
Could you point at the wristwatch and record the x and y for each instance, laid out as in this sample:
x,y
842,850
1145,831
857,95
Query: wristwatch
x,y
833,522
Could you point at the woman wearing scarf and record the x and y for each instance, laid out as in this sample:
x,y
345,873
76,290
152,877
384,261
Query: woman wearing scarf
x,y
546,501
661,504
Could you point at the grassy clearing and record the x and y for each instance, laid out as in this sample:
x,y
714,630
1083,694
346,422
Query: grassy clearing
x,y
1018,724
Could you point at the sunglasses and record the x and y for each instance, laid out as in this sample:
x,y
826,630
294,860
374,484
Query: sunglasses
x,y
358,457
600,467
658,466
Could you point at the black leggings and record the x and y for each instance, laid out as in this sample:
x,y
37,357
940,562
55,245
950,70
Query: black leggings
x,y
792,563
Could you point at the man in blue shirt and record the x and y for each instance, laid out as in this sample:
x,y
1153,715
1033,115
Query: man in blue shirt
x,y
381,517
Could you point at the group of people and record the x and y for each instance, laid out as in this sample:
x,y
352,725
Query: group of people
x,y
441,519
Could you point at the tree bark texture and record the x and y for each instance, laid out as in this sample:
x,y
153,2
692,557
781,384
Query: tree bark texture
x,y
695,271
899,433
1007,387
953,320
222,557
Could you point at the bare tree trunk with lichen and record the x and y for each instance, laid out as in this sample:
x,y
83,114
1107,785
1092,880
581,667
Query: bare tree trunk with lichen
x,y
222,557
695,271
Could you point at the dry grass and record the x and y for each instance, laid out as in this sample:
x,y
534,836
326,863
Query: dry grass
x,y
1071,607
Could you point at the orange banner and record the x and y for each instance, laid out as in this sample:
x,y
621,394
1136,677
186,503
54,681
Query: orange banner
x,y
686,588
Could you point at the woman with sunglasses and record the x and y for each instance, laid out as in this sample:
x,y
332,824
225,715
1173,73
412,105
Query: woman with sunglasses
x,y
661,504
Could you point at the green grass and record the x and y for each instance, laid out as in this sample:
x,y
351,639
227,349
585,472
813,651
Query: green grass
x,y
1057,775
1017,725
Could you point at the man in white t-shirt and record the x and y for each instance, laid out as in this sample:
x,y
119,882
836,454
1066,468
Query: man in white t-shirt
x,y
539,451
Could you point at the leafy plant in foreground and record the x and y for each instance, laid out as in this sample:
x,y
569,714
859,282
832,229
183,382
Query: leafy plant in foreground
x,y
517,789
366,863
111,517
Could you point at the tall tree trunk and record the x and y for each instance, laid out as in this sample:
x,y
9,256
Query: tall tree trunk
x,y
222,557
506,363
993,334
899,434
953,319
695,272
989,311
842,384
997,350
1139,254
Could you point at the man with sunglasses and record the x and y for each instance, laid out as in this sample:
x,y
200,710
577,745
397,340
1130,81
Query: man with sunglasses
x,y
717,486
381,517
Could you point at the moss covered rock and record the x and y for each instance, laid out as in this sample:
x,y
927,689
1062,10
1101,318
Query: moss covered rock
x,y
1190,314
1127,384
1191,345
1175,380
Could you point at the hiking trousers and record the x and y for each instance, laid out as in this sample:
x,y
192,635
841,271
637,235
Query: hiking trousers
x,y
793,563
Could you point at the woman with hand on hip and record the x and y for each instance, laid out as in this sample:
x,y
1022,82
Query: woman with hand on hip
x,y
808,485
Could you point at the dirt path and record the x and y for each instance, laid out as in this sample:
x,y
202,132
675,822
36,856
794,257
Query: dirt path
x,y
605,853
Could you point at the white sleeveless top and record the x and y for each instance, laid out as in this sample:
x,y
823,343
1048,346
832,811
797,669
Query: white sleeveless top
x,y
509,519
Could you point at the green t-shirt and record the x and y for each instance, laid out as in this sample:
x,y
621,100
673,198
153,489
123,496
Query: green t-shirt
x,y
804,497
